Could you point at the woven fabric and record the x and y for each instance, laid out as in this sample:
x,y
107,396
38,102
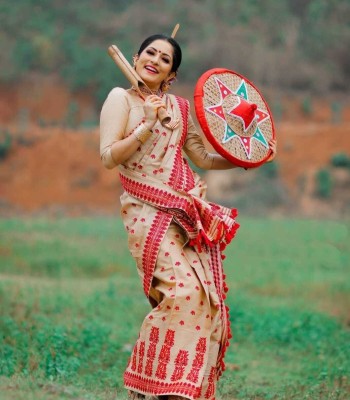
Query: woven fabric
x,y
176,238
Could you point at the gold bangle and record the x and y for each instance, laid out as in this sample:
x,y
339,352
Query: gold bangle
x,y
141,133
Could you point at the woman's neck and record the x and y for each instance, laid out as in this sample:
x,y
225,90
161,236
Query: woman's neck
x,y
147,91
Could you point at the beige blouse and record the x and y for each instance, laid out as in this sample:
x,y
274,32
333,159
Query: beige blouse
x,y
122,112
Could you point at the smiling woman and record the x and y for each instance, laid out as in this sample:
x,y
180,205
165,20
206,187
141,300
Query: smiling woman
x,y
175,236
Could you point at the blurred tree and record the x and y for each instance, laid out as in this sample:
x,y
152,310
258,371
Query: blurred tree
x,y
287,44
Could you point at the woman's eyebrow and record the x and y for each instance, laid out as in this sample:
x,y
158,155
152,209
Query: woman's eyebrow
x,y
165,54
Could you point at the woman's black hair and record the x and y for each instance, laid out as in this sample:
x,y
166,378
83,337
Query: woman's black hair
x,y
177,49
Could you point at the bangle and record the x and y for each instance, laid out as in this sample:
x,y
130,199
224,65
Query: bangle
x,y
142,133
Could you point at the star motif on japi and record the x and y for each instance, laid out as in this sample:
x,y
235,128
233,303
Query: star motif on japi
x,y
245,111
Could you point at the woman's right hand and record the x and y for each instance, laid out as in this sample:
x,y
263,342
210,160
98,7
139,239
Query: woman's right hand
x,y
150,108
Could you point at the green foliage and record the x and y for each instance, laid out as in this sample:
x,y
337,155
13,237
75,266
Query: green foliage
x,y
72,115
5,143
340,160
71,39
336,108
323,183
269,170
306,106
70,335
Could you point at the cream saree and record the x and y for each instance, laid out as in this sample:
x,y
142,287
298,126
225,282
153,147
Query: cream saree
x,y
176,238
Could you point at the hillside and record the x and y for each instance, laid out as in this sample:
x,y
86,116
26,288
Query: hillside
x,y
52,168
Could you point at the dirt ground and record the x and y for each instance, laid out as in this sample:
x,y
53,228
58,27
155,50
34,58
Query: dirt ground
x,y
54,169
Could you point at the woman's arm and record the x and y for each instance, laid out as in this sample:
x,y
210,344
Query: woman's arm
x,y
198,154
115,148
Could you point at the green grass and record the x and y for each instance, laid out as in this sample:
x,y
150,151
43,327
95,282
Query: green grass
x,y
71,305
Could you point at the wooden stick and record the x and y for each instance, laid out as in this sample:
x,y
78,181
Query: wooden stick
x,y
177,26
134,78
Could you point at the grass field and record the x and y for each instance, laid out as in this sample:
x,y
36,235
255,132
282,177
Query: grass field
x,y
71,305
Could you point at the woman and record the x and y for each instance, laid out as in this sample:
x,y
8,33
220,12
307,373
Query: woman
x,y
174,234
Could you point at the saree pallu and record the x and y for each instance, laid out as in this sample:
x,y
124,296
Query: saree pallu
x,y
176,238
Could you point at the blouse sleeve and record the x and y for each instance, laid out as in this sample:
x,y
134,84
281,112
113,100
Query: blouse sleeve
x,y
195,149
113,121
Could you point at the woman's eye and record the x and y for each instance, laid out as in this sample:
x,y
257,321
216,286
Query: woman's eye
x,y
166,60
150,52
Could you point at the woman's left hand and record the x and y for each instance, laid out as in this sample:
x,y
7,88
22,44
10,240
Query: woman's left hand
x,y
273,148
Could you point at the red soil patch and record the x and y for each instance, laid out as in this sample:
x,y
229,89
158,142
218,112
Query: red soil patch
x,y
60,170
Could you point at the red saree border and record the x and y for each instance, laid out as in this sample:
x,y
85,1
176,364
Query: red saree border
x,y
154,238
157,387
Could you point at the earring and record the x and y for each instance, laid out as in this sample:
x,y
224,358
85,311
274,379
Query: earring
x,y
166,84
134,61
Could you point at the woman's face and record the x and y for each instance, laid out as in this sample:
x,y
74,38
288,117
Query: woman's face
x,y
155,62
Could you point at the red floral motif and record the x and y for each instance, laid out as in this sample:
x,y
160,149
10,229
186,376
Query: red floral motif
x,y
134,353
177,263
141,355
154,335
193,312
181,362
182,323
188,298
152,348
201,345
181,284
149,367
211,386
198,361
164,355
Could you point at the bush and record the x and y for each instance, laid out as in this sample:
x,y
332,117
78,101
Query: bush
x,y
307,106
340,160
269,170
323,183
5,144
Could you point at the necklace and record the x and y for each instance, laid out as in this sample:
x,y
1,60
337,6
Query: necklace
x,y
147,90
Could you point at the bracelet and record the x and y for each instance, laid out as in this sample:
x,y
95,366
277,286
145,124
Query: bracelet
x,y
142,133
